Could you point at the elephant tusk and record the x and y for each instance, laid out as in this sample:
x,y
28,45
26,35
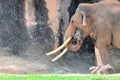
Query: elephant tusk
x,y
61,47
60,55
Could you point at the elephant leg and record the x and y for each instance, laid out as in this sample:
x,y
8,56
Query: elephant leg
x,y
102,58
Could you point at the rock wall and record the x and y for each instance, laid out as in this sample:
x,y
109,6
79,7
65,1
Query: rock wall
x,y
13,34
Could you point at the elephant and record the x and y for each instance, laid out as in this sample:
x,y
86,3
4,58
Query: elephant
x,y
100,21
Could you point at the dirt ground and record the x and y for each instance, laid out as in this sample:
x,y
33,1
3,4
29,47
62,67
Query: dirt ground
x,y
33,62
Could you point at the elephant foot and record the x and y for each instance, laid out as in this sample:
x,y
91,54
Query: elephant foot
x,y
102,69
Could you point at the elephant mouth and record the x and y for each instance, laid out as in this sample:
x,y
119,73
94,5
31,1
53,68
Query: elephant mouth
x,y
74,41
76,38
74,44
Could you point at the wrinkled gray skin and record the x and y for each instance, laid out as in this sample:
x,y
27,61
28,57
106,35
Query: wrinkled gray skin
x,y
100,21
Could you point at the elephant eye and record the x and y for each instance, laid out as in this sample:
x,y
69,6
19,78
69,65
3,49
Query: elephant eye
x,y
72,21
82,18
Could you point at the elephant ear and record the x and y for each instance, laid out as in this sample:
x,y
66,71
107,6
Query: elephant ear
x,y
83,19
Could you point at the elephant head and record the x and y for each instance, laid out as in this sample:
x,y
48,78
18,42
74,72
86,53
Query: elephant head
x,y
76,31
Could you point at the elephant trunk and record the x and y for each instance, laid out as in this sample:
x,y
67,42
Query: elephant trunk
x,y
73,32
